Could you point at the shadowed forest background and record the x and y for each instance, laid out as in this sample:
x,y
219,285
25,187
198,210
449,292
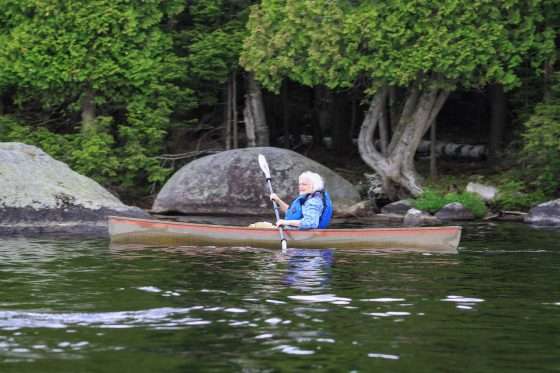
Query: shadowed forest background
x,y
128,92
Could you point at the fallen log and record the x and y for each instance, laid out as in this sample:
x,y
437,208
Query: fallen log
x,y
443,149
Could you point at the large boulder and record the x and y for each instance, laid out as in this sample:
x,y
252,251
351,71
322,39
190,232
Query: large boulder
x,y
547,213
231,182
40,194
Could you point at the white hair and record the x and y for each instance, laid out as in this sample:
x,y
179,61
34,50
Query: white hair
x,y
315,179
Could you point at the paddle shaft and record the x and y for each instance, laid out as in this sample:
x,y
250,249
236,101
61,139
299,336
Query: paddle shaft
x,y
275,205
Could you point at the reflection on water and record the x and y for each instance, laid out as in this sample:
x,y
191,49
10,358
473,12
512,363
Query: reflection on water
x,y
309,269
78,305
306,269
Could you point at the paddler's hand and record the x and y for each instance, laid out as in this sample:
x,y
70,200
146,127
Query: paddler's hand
x,y
281,204
280,222
285,223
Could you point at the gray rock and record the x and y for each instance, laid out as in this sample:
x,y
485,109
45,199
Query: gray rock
x,y
415,217
360,209
40,194
486,192
454,211
232,183
547,213
398,207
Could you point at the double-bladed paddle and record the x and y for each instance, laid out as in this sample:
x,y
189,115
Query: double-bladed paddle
x,y
264,167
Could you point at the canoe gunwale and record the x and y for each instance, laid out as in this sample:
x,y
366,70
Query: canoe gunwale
x,y
251,229
443,239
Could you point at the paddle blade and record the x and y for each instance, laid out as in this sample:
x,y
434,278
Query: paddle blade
x,y
264,166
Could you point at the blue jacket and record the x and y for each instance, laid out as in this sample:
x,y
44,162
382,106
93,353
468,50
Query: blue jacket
x,y
314,210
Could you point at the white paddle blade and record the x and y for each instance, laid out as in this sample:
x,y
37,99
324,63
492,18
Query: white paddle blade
x,y
264,166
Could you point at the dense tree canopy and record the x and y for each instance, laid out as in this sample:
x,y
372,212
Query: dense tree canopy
x,y
210,35
425,47
107,85
110,61
542,146
395,42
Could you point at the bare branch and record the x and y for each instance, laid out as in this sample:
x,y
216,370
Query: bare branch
x,y
406,115
369,125
188,155
440,101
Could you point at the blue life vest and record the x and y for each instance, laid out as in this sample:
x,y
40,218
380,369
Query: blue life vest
x,y
295,211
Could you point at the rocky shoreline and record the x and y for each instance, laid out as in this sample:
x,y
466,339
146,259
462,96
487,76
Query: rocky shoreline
x,y
39,194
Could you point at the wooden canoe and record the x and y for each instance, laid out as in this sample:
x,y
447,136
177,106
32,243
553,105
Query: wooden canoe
x,y
160,232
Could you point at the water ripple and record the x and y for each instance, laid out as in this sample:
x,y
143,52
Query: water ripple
x,y
12,320
384,356
460,299
383,300
320,298
293,350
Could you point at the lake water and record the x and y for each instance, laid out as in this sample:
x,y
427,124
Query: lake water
x,y
82,305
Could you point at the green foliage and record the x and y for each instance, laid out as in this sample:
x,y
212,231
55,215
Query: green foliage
x,y
432,201
471,201
214,55
57,146
512,196
93,154
398,43
54,53
210,35
515,191
65,46
420,46
541,151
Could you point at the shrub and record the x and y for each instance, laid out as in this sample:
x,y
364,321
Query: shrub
x,y
512,196
94,154
541,151
432,201
471,201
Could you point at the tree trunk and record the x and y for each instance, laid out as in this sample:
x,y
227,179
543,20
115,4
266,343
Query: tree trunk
x,y
393,110
227,116
255,114
397,169
285,115
497,121
433,156
88,111
341,133
322,101
249,127
234,120
384,130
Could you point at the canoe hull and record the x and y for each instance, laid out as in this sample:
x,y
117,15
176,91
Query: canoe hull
x,y
158,232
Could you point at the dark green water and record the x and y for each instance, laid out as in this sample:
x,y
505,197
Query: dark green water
x,y
69,305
